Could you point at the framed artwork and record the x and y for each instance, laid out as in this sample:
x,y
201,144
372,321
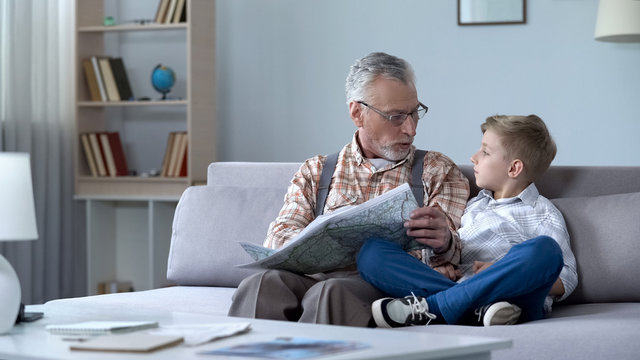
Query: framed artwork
x,y
492,12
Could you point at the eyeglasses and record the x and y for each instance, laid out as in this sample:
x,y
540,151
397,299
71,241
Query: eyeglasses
x,y
398,119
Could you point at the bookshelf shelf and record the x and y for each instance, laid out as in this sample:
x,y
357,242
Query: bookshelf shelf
x,y
133,103
133,27
129,217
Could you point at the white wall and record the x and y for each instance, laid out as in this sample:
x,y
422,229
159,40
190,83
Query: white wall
x,y
281,66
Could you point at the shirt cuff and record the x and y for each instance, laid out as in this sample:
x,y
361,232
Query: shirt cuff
x,y
450,256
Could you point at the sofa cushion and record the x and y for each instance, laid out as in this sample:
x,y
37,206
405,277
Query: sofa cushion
x,y
207,226
605,238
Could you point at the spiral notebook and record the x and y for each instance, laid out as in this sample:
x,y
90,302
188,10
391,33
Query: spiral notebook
x,y
100,327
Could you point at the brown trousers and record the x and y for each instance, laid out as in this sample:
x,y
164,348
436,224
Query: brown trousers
x,y
338,298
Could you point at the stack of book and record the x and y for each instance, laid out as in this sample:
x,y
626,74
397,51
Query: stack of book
x,y
107,79
104,154
174,163
171,12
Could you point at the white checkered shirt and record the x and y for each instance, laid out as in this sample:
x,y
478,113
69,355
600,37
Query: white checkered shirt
x,y
491,227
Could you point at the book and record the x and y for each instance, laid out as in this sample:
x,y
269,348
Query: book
x,y
88,153
181,157
121,79
170,11
98,154
167,155
135,342
177,144
183,17
98,74
109,80
92,81
114,153
100,327
108,155
179,11
162,11
183,167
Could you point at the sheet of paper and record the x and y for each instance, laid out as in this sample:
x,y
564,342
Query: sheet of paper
x,y
202,333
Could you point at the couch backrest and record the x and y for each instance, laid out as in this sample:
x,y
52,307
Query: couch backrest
x,y
241,199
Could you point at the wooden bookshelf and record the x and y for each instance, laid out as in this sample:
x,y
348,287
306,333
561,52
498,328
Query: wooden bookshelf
x,y
128,218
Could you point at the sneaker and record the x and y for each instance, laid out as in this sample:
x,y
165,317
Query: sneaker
x,y
500,313
407,311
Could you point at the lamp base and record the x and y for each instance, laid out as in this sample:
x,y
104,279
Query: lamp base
x,y
28,316
10,295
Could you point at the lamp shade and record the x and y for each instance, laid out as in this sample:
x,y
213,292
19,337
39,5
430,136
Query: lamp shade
x,y
17,211
17,222
618,21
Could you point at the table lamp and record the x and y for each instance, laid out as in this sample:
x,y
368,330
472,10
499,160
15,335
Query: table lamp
x,y
17,222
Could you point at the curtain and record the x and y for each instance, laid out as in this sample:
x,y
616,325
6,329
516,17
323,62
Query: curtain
x,y
36,116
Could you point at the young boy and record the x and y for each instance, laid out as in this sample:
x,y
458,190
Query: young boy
x,y
516,257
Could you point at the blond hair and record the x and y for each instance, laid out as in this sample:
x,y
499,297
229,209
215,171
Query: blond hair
x,y
526,138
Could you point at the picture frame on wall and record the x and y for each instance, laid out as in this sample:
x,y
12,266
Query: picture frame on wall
x,y
492,12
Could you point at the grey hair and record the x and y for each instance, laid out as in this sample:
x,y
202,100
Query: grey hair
x,y
365,70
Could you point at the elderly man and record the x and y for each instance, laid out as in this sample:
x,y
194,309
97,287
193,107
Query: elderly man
x,y
383,104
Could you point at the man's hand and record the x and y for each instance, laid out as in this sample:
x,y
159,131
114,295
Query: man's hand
x,y
428,225
480,265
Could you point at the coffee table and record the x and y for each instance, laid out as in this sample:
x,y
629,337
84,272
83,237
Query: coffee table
x,y
32,341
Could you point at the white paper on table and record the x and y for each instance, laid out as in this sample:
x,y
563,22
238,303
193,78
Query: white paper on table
x,y
197,334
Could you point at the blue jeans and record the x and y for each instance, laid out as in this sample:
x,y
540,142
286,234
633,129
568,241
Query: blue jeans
x,y
524,277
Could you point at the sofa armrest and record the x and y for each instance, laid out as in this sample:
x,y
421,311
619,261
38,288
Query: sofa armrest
x,y
208,224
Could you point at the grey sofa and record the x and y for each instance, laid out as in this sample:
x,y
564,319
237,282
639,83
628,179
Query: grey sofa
x,y
601,205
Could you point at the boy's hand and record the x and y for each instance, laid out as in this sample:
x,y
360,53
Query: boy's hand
x,y
480,265
428,225
449,271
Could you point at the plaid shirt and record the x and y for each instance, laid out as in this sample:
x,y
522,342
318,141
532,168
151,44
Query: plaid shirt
x,y
355,181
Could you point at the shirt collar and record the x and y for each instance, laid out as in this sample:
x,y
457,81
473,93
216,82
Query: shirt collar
x,y
359,156
528,196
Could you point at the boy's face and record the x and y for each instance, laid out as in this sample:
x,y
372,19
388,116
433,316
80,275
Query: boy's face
x,y
491,166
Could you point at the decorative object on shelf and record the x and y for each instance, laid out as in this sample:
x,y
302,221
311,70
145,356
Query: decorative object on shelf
x,y
109,21
17,222
618,21
162,79
492,12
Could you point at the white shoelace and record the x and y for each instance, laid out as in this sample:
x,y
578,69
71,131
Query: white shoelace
x,y
417,308
480,312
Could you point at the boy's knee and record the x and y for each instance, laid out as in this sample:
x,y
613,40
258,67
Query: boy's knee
x,y
369,254
545,247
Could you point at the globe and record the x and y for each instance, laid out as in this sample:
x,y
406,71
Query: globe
x,y
162,79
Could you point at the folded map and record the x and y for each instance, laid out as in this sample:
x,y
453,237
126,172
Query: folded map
x,y
332,241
